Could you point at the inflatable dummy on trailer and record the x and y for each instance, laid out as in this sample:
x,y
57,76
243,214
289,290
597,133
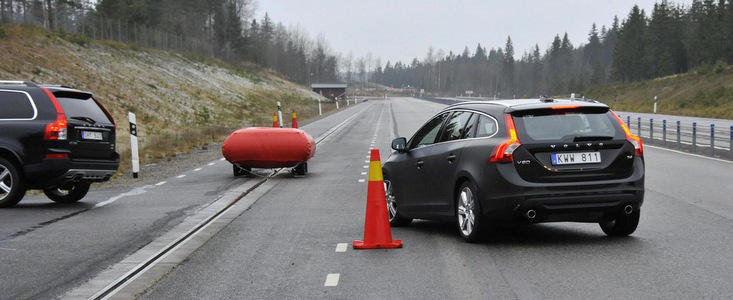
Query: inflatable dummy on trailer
x,y
265,147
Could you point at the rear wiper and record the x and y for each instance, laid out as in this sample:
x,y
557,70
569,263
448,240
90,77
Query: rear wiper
x,y
591,138
85,119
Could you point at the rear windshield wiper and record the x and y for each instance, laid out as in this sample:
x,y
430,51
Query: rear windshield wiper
x,y
591,138
85,119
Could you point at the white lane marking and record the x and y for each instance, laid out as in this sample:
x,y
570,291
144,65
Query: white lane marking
x,y
367,161
211,164
366,167
161,183
341,247
222,159
332,279
11,249
181,176
361,180
690,154
197,169
133,192
363,173
368,156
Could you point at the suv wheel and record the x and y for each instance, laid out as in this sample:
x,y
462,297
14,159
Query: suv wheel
x,y
68,193
622,224
12,187
395,218
468,215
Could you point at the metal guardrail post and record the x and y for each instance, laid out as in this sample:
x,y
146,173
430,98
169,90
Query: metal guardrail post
x,y
712,139
664,131
679,143
651,129
628,122
694,137
730,149
638,126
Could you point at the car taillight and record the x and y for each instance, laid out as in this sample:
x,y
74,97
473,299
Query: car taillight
x,y
633,139
503,152
56,130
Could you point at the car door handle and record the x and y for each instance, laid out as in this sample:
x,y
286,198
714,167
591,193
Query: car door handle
x,y
419,164
451,157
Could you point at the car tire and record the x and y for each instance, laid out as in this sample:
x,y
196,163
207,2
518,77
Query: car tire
x,y
239,171
69,193
301,169
469,219
621,225
12,187
395,218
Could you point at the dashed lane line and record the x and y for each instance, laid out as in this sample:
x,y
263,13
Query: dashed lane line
x,y
341,247
361,180
211,164
161,183
181,176
332,279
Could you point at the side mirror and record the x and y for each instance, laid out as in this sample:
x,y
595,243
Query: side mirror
x,y
399,144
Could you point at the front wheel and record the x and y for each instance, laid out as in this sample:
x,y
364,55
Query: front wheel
x,y
622,224
12,187
68,193
468,215
395,218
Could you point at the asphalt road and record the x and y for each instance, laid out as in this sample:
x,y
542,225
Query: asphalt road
x,y
47,248
285,245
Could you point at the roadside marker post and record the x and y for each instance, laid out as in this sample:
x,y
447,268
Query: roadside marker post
x,y
694,137
712,139
651,129
679,142
337,104
655,104
133,145
638,125
664,131
730,148
628,122
279,115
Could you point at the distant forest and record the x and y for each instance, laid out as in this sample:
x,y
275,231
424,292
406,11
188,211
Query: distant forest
x,y
223,29
672,39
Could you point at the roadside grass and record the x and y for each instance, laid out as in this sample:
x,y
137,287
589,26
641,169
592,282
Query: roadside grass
x,y
703,92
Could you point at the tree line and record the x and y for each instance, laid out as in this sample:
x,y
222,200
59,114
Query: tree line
x,y
223,29
671,39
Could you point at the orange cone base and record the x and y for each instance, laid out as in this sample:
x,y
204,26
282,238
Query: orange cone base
x,y
387,245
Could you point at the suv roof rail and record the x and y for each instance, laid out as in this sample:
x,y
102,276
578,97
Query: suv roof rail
x,y
17,82
546,99
58,85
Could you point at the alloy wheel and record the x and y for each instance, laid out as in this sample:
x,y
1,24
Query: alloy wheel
x,y
391,202
6,182
466,217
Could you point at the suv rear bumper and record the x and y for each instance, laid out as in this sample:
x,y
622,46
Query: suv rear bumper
x,y
509,198
53,172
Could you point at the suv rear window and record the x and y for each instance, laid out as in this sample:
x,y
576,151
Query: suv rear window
x,y
15,105
82,106
566,126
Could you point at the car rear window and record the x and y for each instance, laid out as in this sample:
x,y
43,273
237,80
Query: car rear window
x,y
83,107
16,105
566,126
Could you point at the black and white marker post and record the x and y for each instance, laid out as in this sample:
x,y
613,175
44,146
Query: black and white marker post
x,y
133,145
279,115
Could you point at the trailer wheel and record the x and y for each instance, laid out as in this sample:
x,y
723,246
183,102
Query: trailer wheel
x,y
239,171
301,169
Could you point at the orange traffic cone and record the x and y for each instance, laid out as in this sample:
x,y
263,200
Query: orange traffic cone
x,y
274,120
295,120
377,233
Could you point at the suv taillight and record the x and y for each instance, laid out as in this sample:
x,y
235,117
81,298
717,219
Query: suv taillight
x,y
56,130
503,152
633,139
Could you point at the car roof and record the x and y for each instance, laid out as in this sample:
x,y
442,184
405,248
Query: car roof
x,y
511,105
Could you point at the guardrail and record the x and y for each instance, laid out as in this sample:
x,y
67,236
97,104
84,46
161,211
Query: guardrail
x,y
700,138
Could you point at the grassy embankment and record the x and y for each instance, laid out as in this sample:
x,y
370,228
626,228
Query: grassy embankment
x,y
181,101
704,92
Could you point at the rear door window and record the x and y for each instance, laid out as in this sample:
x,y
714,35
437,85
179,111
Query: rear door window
x,y
455,126
571,126
470,130
83,108
16,105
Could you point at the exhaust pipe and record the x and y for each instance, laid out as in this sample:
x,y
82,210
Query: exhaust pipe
x,y
531,214
628,209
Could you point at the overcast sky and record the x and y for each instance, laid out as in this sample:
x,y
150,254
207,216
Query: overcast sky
x,y
402,30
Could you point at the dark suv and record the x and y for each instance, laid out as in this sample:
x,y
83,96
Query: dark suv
x,y
518,161
53,138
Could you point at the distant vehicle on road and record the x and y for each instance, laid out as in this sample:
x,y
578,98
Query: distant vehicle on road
x,y
518,161
53,138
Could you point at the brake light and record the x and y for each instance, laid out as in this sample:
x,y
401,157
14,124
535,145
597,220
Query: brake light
x,y
565,107
56,130
57,156
503,152
633,139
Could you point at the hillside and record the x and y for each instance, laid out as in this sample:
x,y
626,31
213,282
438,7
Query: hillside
x,y
180,101
705,92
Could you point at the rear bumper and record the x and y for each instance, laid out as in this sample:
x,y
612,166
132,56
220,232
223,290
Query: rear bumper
x,y
509,197
52,172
